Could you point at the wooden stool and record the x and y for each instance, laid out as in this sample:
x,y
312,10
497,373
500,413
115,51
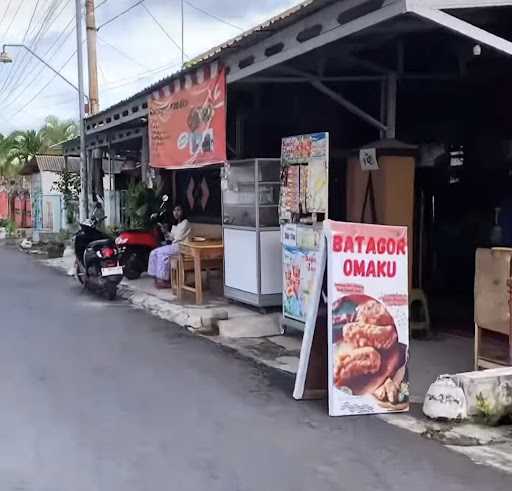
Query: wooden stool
x,y
175,275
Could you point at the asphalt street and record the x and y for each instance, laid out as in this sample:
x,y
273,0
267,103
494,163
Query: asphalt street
x,y
98,396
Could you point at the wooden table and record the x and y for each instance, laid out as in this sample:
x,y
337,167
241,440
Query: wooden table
x,y
200,252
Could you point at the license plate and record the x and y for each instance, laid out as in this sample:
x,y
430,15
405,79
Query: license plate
x,y
117,270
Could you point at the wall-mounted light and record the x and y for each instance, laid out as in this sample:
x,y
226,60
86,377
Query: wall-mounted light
x,y
477,50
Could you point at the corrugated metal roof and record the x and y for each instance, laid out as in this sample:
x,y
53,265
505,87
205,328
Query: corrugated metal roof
x,y
50,163
263,30
247,38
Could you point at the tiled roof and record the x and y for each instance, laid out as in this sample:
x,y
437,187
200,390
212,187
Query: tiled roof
x,y
51,163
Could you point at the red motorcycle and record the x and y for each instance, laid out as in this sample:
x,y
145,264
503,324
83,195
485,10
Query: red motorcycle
x,y
135,246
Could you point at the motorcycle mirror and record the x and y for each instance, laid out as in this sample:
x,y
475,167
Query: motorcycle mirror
x,y
165,198
153,216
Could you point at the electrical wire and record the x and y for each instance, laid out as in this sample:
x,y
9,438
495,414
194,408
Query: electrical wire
x,y
121,52
5,12
31,20
14,17
162,28
14,115
22,67
28,85
100,4
25,36
213,16
136,4
21,88
125,82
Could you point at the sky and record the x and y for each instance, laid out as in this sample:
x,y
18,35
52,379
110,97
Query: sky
x,y
133,50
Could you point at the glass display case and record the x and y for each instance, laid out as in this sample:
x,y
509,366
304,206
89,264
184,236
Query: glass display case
x,y
251,193
250,216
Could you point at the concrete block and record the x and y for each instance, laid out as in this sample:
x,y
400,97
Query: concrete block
x,y
251,326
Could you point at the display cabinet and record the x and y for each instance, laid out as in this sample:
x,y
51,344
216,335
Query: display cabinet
x,y
250,215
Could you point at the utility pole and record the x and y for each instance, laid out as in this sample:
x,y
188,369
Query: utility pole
x,y
91,33
182,34
84,198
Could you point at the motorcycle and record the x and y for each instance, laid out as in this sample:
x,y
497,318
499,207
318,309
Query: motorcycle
x,y
97,263
135,246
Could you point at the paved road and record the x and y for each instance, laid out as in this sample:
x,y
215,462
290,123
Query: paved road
x,y
101,397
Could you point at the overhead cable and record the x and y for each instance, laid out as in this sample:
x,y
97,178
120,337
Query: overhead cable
x,y
136,4
162,28
213,16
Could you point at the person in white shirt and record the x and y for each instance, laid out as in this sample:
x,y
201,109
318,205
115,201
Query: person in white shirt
x,y
160,258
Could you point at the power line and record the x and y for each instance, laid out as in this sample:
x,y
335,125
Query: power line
x,y
23,88
18,87
213,16
136,4
121,52
45,25
100,4
5,12
31,20
117,84
162,28
43,88
14,17
11,74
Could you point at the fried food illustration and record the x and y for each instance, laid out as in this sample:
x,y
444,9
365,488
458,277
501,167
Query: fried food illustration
x,y
389,392
361,335
360,361
370,312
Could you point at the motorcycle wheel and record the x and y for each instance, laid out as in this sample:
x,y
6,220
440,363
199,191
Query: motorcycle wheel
x,y
78,275
132,267
111,292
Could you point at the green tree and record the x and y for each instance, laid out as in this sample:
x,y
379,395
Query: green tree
x,y
22,146
19,147
54,131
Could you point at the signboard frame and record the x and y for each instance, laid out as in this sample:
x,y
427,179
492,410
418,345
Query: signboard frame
x,y
367,320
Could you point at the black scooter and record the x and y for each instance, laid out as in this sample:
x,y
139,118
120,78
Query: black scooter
x,y
97,262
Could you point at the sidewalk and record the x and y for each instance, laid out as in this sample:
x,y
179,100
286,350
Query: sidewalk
x,y
258,337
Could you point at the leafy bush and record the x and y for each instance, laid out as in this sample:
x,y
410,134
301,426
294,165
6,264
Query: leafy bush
x,y
140,204
68,184
9,225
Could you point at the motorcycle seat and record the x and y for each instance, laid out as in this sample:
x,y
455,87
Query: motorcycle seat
x,y
97,244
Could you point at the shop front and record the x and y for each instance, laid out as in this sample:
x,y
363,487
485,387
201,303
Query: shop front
x,y
413,97
414,100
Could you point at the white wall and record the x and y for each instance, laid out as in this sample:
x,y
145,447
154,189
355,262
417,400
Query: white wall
x,y
48,179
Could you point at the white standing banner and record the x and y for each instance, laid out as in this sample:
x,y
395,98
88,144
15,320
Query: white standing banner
x,y
367,320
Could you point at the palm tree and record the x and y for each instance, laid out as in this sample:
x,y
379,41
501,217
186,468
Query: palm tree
x,y
22,146
55,131
7,169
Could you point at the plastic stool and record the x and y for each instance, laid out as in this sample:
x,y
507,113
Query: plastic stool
x,y
419,314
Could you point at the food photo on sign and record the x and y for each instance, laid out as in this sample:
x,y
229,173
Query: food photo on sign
x,y
188,125
368,357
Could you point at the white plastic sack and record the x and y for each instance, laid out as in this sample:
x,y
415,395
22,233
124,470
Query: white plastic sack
x,y
445,399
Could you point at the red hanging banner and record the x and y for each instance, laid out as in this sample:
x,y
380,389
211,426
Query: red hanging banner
x,y
187,122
